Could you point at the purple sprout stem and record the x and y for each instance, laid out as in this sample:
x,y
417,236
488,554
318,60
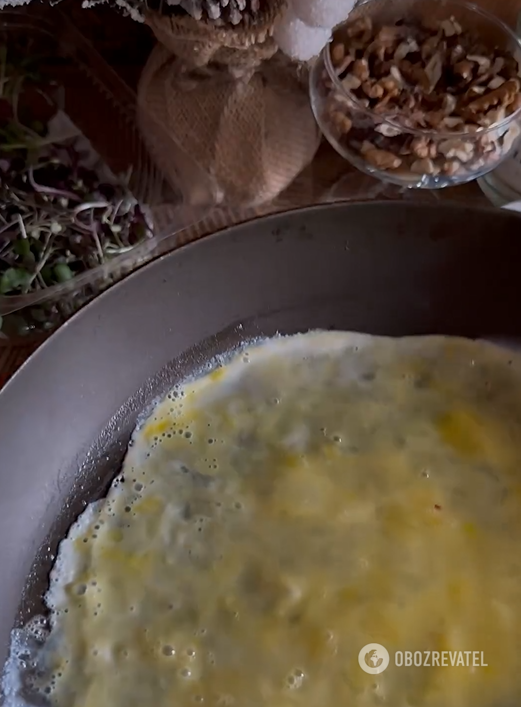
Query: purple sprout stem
x,y
45,256
94,230
50,190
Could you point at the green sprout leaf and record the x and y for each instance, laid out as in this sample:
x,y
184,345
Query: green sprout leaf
x,y
62,272
21,247
14,279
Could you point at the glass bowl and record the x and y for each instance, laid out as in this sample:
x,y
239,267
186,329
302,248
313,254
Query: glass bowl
x,y
421,93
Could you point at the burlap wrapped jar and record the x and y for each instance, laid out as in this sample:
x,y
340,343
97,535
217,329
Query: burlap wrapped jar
x,y
225,117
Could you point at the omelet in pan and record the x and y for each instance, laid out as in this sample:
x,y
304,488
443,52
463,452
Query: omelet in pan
x,y
317,494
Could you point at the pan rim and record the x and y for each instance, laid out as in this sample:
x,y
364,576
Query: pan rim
x,y
395,203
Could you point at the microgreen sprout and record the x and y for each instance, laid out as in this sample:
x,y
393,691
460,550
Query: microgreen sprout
x,y
58,217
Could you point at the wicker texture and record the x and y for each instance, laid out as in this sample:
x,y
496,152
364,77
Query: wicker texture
x,y
240,112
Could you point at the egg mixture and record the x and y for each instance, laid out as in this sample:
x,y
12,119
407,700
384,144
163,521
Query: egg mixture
x,y
319,493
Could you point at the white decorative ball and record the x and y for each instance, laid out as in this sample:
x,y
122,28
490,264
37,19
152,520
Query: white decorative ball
x,y
322,13
297,40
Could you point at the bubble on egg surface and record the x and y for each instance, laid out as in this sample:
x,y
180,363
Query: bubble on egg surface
x,y
295,679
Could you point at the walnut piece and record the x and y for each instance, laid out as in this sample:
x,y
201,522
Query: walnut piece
x,y
382,158
388,130
389,36
451,123
464,69
455,148
502,96
434,70
360,30
338,52
422,148
341,121
449,104
408,46
457,54
373,90
496,82
424,166
351,82
451,167
344,64
361,69
450,27
483,62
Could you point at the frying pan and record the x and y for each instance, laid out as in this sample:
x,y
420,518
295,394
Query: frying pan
x,y
383,268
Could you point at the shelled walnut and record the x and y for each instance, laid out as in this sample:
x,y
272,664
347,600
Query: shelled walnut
x,y
422,98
